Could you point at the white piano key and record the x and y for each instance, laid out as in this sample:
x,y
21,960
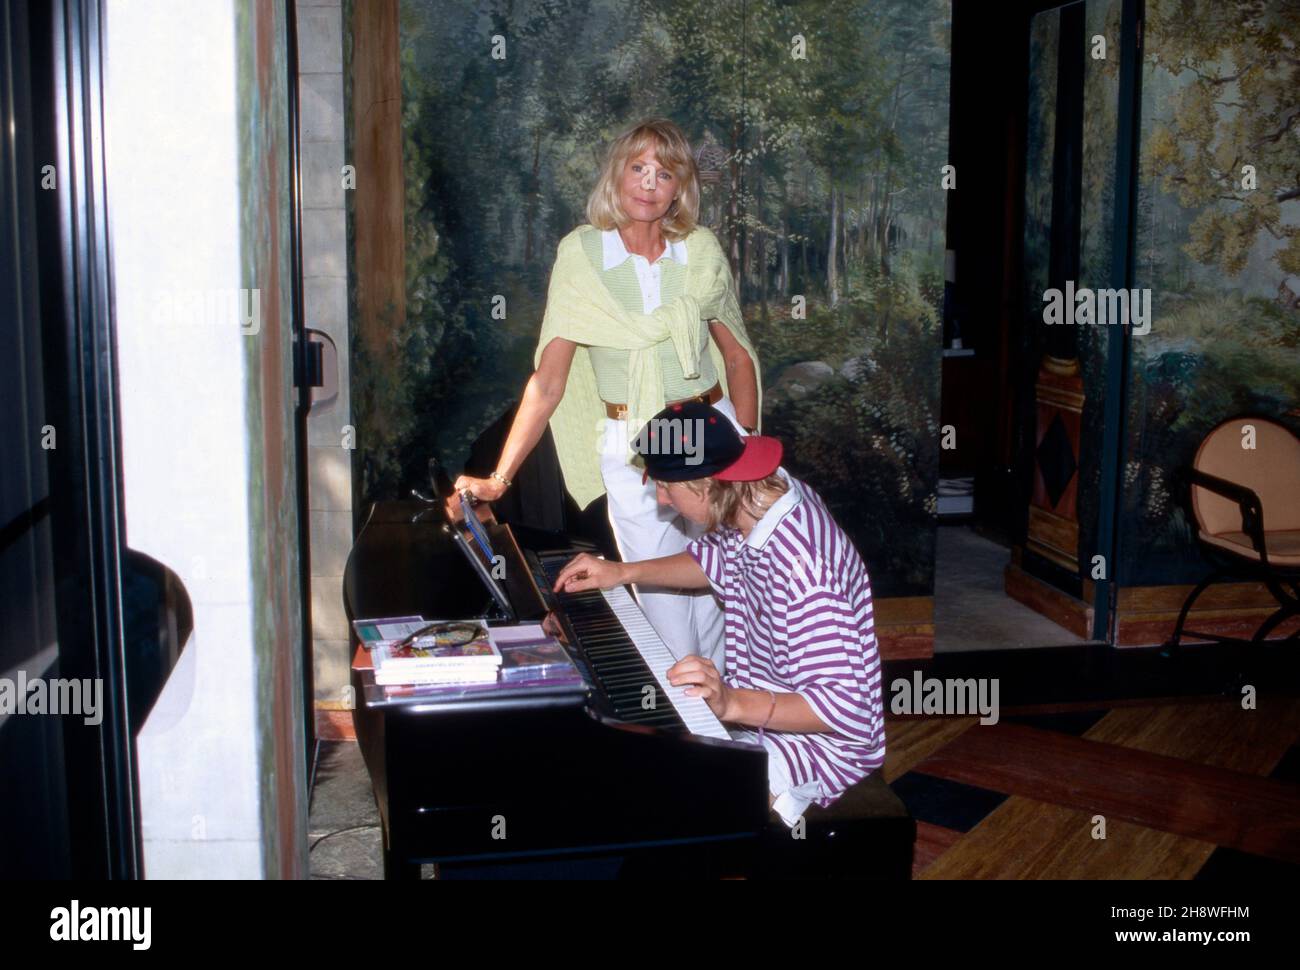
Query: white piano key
x,y
699,719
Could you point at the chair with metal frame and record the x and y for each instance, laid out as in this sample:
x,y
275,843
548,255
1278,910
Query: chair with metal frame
x,y
1245,499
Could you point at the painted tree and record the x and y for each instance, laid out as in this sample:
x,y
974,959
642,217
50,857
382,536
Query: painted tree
x,y
702,87
847,125
1240,106
791,54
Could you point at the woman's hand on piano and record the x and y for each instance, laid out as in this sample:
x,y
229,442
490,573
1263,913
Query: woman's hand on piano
x,y
585,571
702,679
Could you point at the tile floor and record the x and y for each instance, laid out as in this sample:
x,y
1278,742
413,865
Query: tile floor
x,y
971,608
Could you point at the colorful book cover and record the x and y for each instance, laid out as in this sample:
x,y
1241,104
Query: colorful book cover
x,y
542,659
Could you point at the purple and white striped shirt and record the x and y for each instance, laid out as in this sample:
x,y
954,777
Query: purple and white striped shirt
x,y
798,612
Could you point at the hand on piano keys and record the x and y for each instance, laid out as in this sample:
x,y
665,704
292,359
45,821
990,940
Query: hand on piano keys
x,y
701,679
585,571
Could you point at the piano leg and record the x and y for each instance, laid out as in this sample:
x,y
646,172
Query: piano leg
x,y
395,868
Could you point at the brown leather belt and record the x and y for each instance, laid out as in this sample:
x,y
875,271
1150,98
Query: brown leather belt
x,y
712,396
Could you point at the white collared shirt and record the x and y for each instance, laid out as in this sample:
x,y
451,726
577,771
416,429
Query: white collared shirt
x,y
647,273
762,529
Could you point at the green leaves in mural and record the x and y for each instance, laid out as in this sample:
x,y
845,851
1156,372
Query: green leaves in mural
x,y
1230,142
820,127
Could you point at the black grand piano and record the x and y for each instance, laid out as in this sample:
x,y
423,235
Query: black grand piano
x,y
620,775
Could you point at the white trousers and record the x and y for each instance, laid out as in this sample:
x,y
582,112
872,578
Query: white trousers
x,y
688,621
791,799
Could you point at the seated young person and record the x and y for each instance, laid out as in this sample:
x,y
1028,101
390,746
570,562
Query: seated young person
x,y
803,673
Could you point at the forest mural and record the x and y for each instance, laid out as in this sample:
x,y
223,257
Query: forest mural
x,y
1220,252
820,127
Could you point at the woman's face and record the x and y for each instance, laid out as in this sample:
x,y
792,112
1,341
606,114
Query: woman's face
x,y
693,506
647,188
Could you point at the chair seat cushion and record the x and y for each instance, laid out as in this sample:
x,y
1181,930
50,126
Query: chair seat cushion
x,y
1283,545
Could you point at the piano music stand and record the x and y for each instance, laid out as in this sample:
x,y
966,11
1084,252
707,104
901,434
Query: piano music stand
x,y
505,611
519,599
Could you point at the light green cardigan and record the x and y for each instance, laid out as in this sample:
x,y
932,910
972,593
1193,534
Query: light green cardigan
x,y
580,308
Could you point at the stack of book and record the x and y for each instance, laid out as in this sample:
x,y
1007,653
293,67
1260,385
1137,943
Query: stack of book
x,y
439,652
412,656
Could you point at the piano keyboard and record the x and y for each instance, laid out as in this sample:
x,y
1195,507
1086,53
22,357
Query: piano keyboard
x,y
699,719
624,654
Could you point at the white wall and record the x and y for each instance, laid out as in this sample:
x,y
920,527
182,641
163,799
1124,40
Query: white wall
x,y
174,205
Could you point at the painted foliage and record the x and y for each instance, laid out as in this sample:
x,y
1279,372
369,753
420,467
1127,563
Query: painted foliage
x,y
821,129
1219,245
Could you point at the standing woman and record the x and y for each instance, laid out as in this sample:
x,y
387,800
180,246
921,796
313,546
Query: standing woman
x,y
641,312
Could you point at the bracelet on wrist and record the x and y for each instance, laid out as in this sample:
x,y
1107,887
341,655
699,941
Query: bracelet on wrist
x,y
500,478
770,711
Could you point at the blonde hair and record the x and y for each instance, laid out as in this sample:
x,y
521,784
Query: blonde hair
x,y
728,499
674,152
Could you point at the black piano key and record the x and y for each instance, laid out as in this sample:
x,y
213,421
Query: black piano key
x,y
613,653
630,677
619,673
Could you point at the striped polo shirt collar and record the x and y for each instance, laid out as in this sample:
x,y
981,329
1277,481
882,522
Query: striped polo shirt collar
x,y
765,526
615,252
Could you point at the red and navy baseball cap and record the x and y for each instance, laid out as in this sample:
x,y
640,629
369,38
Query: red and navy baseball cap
x,y
692,440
